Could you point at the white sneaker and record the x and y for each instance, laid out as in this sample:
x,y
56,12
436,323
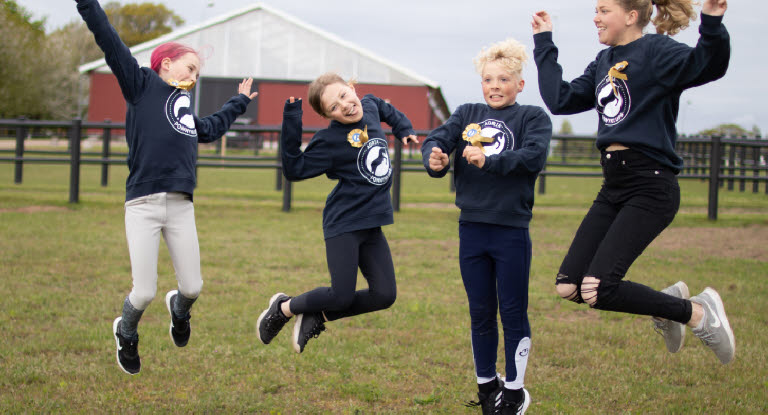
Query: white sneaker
x,y
672,331
715,332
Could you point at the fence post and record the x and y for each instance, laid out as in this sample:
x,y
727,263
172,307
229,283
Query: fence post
x,y
106,137
21,133
756,169
743,168
396,170
452,167
715,158
74,161
543,180
731,164
287,190
279,169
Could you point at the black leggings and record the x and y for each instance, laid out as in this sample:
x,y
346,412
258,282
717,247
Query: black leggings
x,y
366,249
638,199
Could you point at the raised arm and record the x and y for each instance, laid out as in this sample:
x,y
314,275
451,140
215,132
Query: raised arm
x,y
297,164
561,97
401,125
116,53
212,127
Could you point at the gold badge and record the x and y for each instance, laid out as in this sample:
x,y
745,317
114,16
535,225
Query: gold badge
x,y
185,85
473,134
358,137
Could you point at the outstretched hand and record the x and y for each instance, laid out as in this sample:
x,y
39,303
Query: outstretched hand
x,y
714,7
412,138
245,88
542,22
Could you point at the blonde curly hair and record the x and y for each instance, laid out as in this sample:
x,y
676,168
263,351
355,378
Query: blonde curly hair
x,y
509,53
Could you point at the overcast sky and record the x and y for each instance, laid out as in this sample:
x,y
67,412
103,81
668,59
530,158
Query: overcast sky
x,y
438,39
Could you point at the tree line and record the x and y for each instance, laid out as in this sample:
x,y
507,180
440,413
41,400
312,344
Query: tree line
x,y
39,76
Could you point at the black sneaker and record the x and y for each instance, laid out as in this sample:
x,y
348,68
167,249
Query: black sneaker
x,y
271,320
489,403
127,350
308,325
180,327
515,408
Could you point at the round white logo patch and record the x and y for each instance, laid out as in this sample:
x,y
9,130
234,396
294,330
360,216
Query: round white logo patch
x,y
373,161
501,135
612,104
179,114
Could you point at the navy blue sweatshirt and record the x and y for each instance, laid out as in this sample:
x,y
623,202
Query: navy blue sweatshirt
x,y
161,130
361,198
640,111
501,192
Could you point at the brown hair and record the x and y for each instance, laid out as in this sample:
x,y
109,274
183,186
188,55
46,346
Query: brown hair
x,y
317,87
672,16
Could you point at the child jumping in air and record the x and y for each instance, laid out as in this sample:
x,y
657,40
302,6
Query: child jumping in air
x,y
162,135
635,85
354,151
503,147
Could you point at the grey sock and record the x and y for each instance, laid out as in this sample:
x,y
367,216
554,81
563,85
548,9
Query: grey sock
x,y
130,321
181,305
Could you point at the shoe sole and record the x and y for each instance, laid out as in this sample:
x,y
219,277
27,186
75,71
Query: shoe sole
x,y
117,345
685,294
264,313
170,313
296,331
720,310
526,401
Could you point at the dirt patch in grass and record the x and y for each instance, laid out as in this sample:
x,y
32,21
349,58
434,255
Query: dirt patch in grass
x,y
743,243
34,209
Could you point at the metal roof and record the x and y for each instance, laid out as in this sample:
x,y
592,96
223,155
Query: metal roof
x,y
261,42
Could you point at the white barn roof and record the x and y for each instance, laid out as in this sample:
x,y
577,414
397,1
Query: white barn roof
x,y
261,42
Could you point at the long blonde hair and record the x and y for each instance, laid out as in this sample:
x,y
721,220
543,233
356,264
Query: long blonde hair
x,y
672,16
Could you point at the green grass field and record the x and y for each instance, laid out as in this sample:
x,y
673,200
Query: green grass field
x,y
64,272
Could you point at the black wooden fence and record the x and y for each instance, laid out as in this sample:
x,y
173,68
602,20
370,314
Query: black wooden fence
x,y
720,160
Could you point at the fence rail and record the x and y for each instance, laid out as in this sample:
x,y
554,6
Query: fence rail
x,y
723,161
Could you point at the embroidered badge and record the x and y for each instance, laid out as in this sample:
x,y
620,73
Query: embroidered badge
x,y
358,137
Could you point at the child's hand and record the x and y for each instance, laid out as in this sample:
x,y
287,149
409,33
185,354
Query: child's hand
x,y
542,22
245,88
714,7
292,100
437,160
413,139
474,155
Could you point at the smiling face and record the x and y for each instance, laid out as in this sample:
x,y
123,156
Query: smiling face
x,y
615,26
500,86
185,68
339,102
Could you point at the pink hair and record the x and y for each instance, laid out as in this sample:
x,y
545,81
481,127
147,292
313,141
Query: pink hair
x,y
171,50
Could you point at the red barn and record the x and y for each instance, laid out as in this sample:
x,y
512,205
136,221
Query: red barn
x,y
282,54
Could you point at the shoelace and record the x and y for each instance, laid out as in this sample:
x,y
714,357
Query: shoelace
x,y
708,338
316,329
274,323
660,326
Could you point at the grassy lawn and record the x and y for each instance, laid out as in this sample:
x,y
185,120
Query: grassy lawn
x,y
64,272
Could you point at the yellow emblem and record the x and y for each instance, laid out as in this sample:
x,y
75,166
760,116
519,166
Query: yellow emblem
x,y
615,72
473,134
358,137
185,85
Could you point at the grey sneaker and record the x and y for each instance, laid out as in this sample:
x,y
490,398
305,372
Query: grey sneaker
x,y
715,332
271,320
672,331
